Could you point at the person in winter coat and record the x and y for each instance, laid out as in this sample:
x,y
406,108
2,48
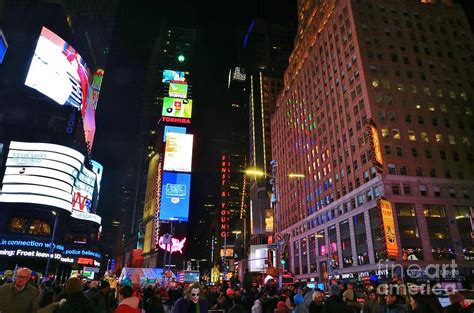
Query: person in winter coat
x,y
237,306
458,305
75,301
154,303
371,304
191,302
257,305
316,305
47,302
282,308
128,303
334,303
300,306
348,298
19,296
394,304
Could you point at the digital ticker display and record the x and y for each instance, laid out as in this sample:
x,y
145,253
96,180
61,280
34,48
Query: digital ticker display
x,y
176,107
175,191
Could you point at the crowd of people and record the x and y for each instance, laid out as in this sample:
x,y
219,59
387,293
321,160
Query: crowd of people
x,y
77,296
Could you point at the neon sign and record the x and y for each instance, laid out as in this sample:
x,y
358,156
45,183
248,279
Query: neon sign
x,y
176,245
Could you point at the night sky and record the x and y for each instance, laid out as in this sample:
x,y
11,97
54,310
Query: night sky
x,y
121,99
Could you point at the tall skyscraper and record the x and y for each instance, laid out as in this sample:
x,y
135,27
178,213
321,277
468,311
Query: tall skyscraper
x,y
376,112
267,47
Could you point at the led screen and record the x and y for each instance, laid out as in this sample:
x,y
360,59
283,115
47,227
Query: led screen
x,y
170,75
178,152
83,191
59,72
88,112
178,90
175,190
49,174
258,260
173,129
98,169
3,46
175,107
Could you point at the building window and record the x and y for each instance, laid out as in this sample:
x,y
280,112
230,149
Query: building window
x,y
406,189
399,151
414,152
396,133
395,189
423,190
432,172
384,132
424,137
439,138
443,155
17,225
411,135
451,140
388,150
434,211
419,171
465,193
403,170
452,192
428,154
392,169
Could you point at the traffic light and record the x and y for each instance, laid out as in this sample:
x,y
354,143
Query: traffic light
x,y
181,58
283,258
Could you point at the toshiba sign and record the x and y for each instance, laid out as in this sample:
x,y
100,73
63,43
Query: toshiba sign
x,y
49,174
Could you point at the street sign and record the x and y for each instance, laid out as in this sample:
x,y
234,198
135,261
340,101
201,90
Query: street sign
x,y
279,237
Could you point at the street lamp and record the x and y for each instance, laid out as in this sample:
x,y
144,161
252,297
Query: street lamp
x,y
276,201
201,260
51,246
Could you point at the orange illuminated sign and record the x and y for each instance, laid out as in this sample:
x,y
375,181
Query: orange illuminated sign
x,y
375,146
389,227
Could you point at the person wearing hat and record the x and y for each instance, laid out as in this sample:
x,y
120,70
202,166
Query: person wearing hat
x,y
19,296
334,303
300,306
282,308
75,301
349,298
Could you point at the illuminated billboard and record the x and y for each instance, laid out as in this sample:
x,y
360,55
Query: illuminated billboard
x,y
388,227
83,191
59,72
259,258
98,169
178,90
175,192
175,107
88,112
49,174
178,152
3,46
177,245
173,129
170,75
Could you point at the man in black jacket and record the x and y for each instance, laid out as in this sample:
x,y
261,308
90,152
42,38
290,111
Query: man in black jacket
x,y
334,304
